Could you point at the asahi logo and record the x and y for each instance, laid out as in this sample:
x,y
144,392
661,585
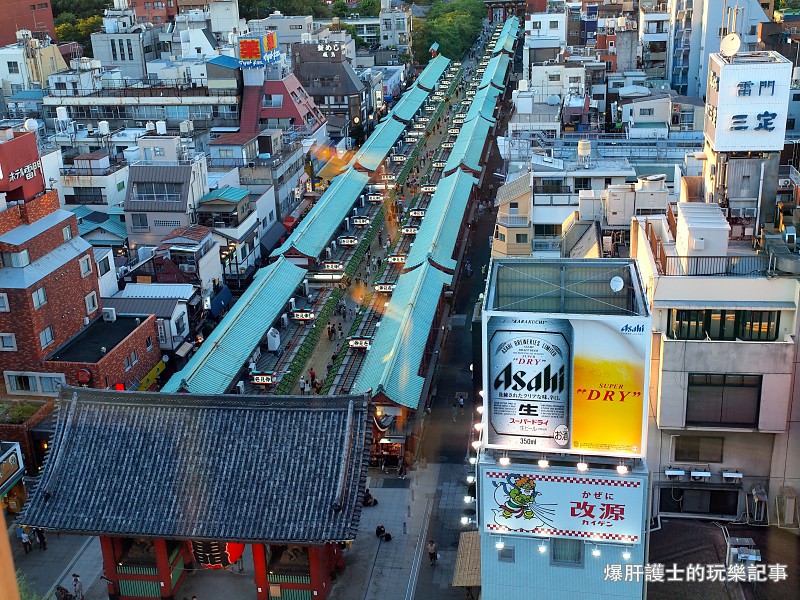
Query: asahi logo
x,y
630,329
542,381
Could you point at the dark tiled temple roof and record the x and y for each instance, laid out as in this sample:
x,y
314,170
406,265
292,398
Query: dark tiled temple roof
x,y
235,468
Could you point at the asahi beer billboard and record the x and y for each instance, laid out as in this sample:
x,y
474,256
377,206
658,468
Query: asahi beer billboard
x,y
562,504
566,383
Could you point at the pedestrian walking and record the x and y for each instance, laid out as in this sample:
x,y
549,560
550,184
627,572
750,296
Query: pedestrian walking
x,y
454,412
433,555
41,538
312,376
302,384
77,586
340,331
26,541
461,404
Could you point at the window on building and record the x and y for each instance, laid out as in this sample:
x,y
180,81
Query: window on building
x,y
67,231
90,300
104,265
566,553
16,259
46,337
646,112
522,238
4,307
126,363
583,183
574,79
120,186
158,151
114,50
86,265
13,67
20,383
716,400
554,77
506,554
790,123
8,342
696,448
50,384
39,298
553,24
749,325
500,236
536,25
149,343
139,221
546,230
180,325
134,357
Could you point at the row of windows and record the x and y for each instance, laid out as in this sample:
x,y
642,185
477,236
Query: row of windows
x,y
8,341
112,41
20,382
563,553
23,258
519,238
749,325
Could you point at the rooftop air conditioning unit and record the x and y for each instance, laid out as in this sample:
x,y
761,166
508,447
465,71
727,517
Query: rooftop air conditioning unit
x,y
109,314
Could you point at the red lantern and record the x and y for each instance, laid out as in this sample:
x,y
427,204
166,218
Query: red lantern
x,y
217,555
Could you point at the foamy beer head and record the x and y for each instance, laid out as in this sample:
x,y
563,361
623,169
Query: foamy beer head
x,y
608,387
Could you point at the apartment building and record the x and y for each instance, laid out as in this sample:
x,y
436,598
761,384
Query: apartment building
x,y
54,327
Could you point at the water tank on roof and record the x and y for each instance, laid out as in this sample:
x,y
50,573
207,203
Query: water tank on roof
x,y
150,127
553,100
102,128
161,127
62,114
584,148
31,125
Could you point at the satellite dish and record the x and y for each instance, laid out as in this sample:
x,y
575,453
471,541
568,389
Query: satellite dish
x,y
730,45
31,125
616,283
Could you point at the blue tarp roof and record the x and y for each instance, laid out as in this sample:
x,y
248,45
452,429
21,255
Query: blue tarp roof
x,y
438,234
216,363
225,61
316,229
393,361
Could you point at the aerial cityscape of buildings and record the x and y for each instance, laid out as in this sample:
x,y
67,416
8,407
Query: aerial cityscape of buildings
x,y
461,298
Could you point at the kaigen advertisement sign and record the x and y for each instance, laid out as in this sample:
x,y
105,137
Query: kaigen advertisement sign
x,y
567,383
562,504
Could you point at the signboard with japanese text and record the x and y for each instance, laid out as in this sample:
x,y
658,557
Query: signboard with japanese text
x,y
263,378
360,221
417,212
569,383
396,259
384,288
376,198
332,265
359,343
256,51
409,230
747,101
302,315
562,504
348,241
428,189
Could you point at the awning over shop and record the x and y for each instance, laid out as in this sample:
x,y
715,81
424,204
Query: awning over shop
x,y
183,349
468,560
272,236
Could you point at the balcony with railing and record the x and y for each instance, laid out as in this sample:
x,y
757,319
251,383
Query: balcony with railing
x,y
71,171
506,219
146,88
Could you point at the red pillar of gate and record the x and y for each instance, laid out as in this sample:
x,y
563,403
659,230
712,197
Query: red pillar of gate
x,y
164,570
260,567
110,566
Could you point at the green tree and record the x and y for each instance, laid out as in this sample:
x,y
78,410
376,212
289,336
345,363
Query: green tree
x,y
340,8
65,17
80,31
360,43
80,8
368,7
454,25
